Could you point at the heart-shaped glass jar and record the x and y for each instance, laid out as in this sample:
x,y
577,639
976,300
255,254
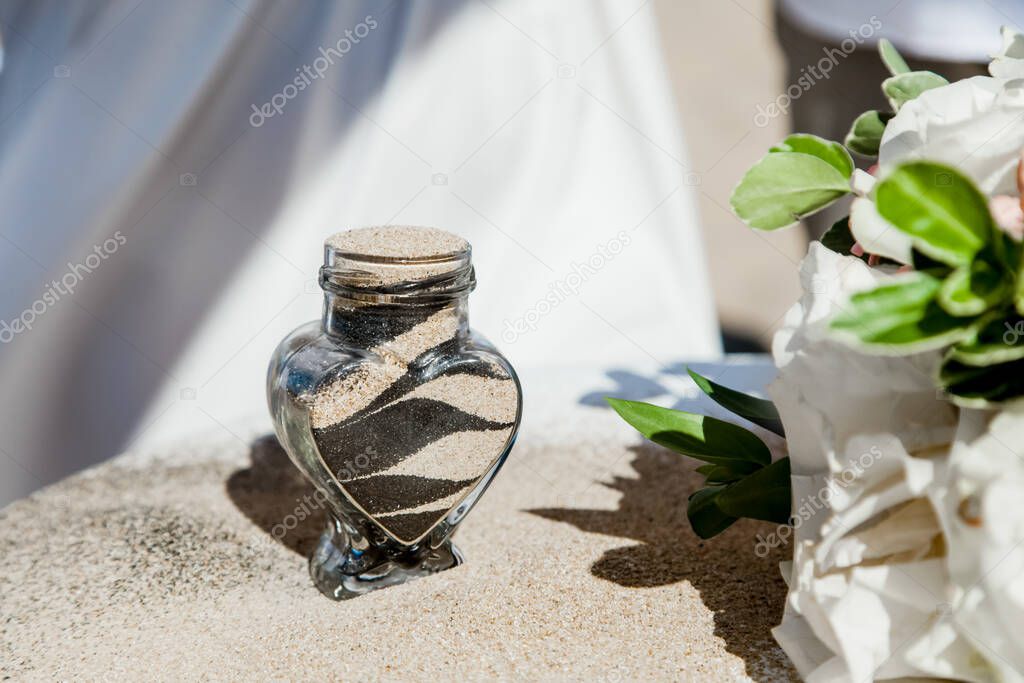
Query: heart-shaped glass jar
x,y
392,407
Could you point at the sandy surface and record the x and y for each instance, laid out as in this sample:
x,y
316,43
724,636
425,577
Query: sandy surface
x,y
581,565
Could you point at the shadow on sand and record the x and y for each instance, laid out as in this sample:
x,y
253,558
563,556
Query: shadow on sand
x,y
275,497
745,592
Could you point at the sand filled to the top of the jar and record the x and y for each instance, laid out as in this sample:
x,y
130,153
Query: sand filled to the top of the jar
x,y
399,242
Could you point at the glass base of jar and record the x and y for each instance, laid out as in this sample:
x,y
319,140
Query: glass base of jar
x,y
342,572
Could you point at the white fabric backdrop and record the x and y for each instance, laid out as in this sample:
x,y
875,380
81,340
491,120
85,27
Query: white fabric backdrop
x,y
543,132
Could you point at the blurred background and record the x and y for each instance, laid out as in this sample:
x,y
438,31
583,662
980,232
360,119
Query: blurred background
x,y
169,172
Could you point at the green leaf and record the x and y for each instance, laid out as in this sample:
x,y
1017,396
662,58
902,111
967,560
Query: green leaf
x,y
832,153
900,317
765,494
718,474
904,87
865,135
783,187
705,517
982,387
698,436
758,410
943,212
1018,293
923,263
891,58
838,238
1000,340
973,289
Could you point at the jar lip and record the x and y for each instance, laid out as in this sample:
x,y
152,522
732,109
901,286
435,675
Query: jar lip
x,y
397,264
358,285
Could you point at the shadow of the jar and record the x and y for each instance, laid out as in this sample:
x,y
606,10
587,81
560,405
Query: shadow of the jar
x,y
745,592
272,493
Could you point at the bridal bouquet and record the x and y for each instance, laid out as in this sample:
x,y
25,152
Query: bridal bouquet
x,y
900,389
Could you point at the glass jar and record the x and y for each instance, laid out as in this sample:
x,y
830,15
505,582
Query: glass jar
x,y
395,410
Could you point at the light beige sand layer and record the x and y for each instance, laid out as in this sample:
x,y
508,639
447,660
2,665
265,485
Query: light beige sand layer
x,y
438,328
487,397
581,566
350,394
462,455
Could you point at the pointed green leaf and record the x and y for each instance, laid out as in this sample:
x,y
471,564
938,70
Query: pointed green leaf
x,y
973,289
758,410
718,474
892,59
706,518
832,153
765,494
698,436
783,187
900,317
865,135
904,87
939,207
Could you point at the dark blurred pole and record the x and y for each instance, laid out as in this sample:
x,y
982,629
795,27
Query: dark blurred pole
x,y
852,87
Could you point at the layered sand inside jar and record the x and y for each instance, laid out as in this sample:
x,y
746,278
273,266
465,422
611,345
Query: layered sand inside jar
x,y
411,432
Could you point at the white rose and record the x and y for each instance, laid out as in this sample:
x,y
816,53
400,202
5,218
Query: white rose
x,y
982,512
867,439
974,125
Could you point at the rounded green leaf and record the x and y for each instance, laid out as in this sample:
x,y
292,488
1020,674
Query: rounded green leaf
x,y
944,213
783,187
904,87
832,153
973,289
865,135
900,317
983,387
1000,340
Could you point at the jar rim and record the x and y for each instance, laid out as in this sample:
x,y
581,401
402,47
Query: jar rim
x,y
420,265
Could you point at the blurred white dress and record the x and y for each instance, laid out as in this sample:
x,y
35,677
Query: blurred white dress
x,y
185,161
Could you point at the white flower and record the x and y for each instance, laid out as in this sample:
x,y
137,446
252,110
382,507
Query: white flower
x,y
877,235
975,125
1009,62
878,587
981,507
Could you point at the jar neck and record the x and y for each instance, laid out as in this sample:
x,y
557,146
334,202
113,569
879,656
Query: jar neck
x,y
399,330
398,307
